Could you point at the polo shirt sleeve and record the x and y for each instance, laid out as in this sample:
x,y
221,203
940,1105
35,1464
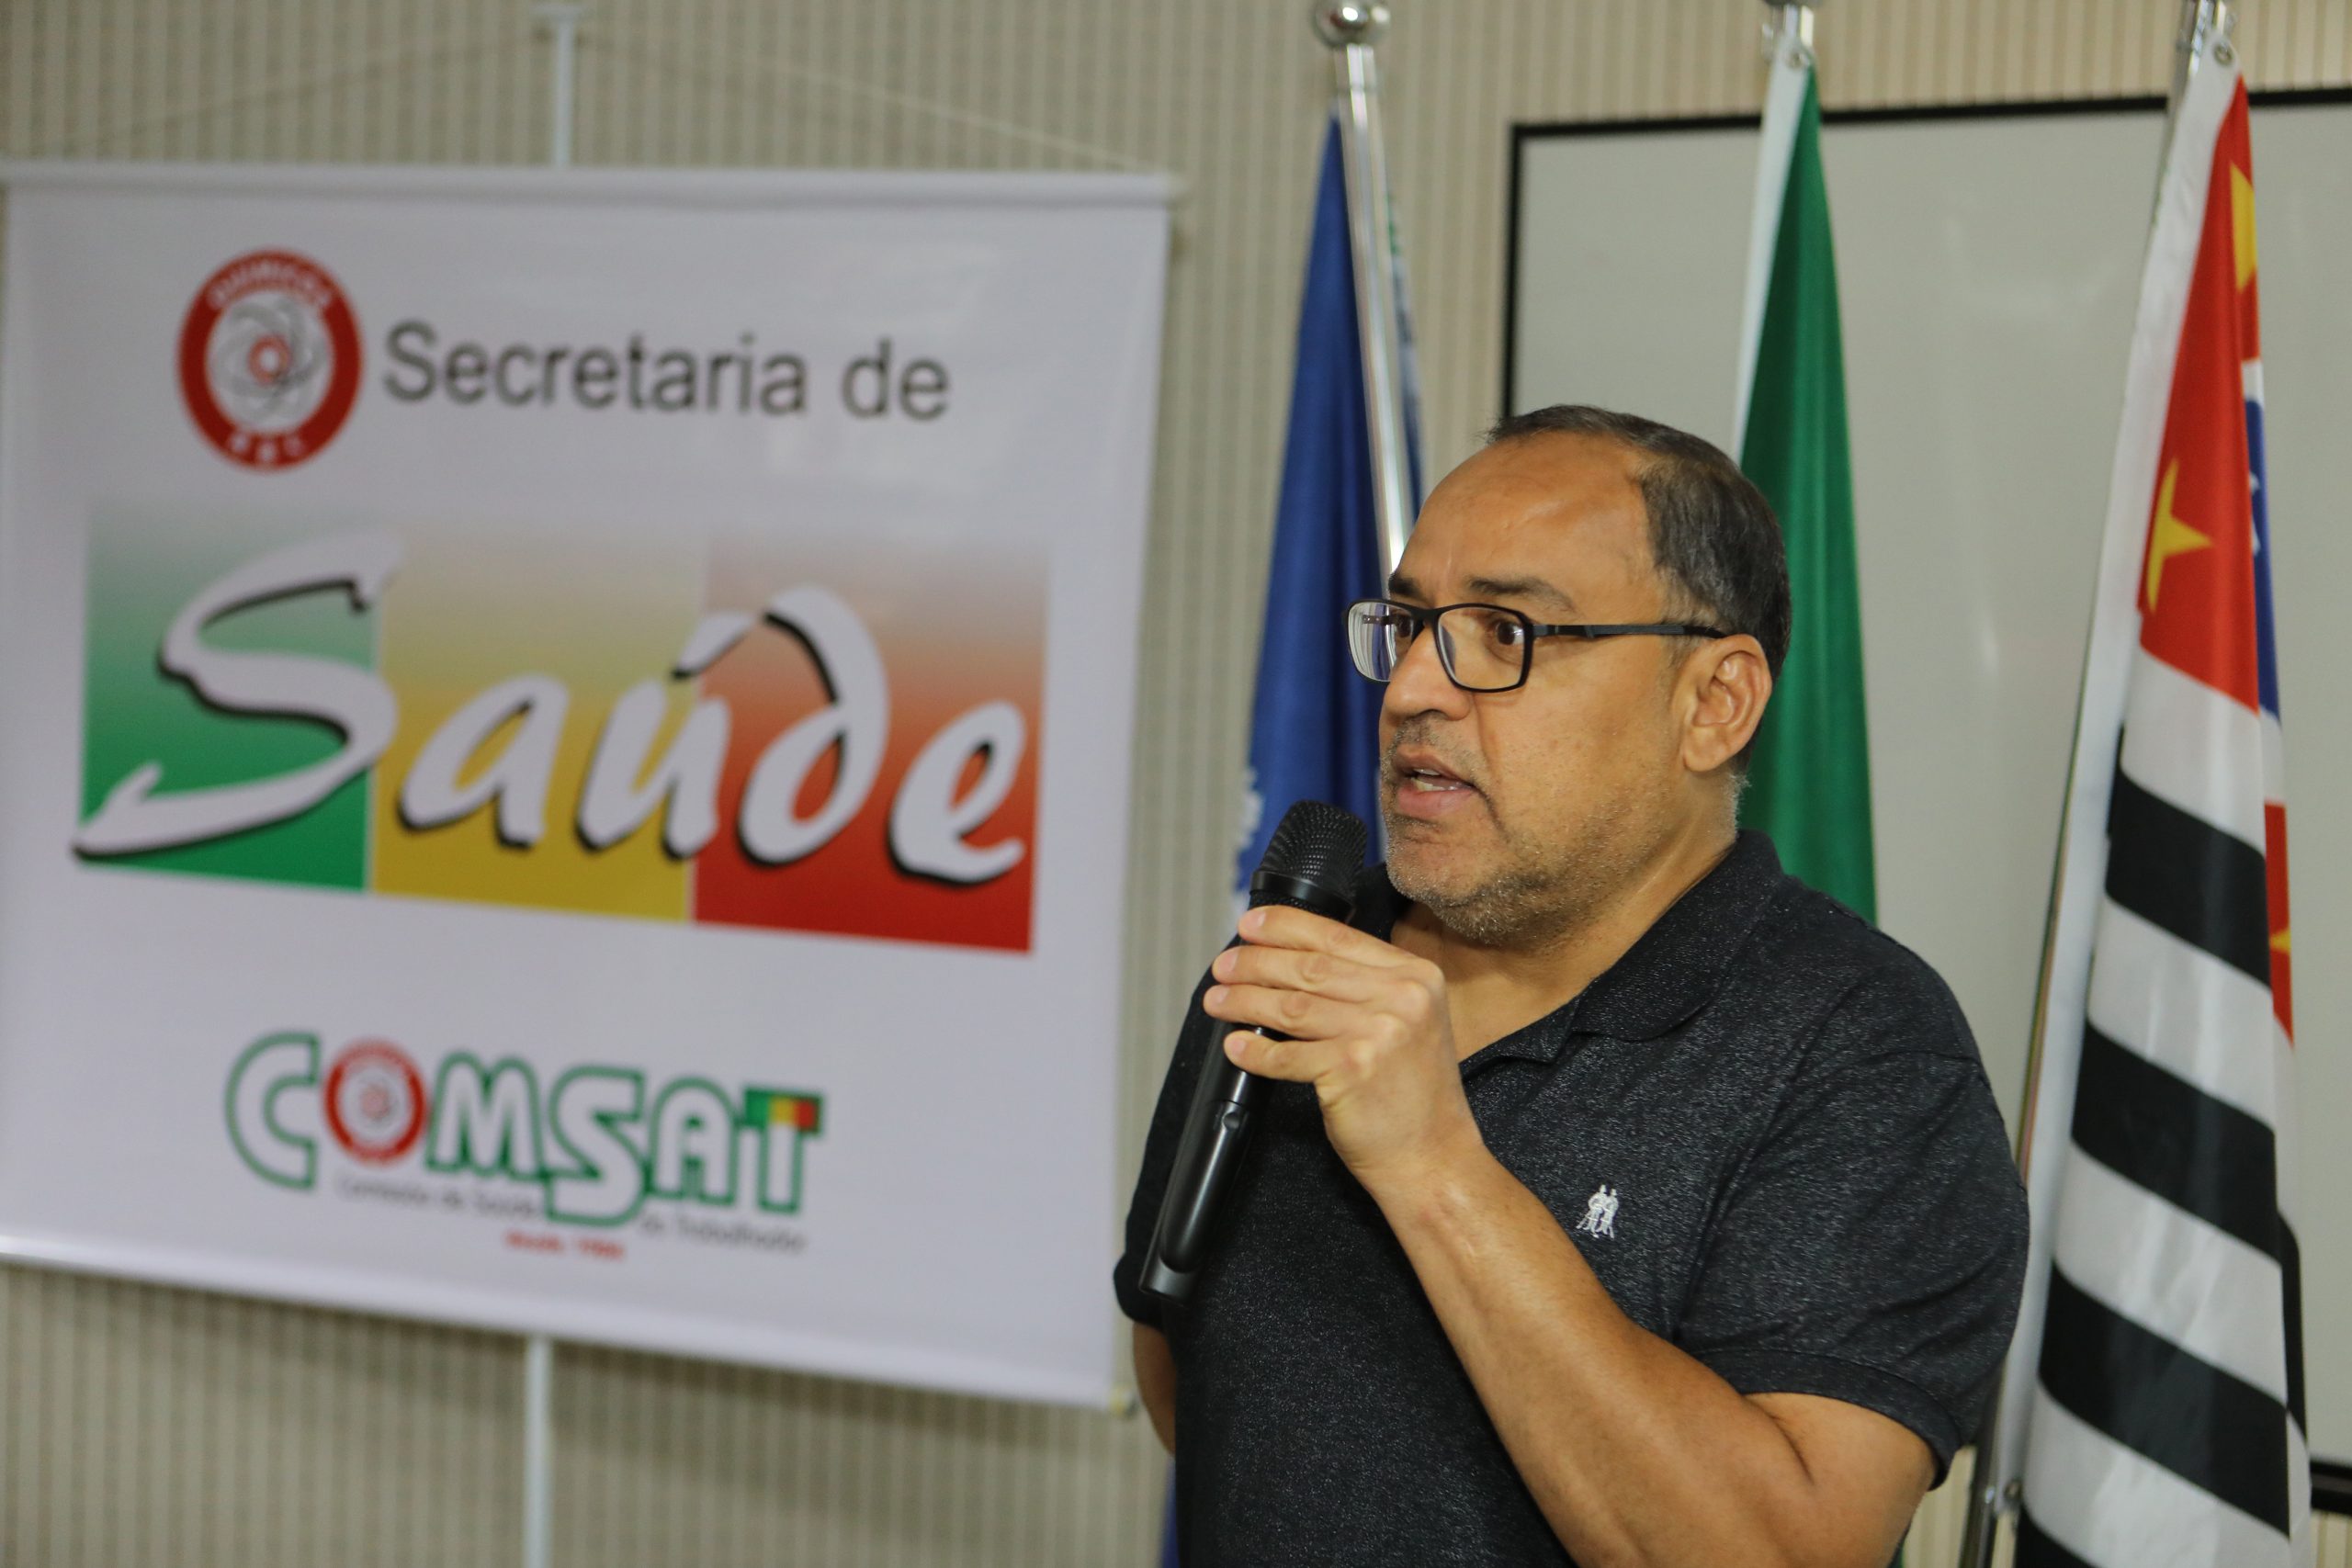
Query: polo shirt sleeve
x,y
1873,1248
1158,1156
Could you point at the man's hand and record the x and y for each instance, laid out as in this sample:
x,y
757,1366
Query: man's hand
x,y
1369,1029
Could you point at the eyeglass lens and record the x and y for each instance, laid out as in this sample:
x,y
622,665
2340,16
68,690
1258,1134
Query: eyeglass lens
x,y
1483,649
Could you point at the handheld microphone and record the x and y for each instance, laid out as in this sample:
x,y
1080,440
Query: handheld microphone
x,y
1311,863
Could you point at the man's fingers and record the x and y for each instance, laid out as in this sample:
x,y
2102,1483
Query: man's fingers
x,y
1277,925
1296,969
1295,1061
1273,1006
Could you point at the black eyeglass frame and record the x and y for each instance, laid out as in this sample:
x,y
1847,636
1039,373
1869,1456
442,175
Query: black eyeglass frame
x,y
1424,618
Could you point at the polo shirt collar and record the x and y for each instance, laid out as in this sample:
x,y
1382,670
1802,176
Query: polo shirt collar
x,y
1676,966
1672,970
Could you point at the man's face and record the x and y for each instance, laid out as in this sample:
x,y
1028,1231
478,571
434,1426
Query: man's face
x,y
1514,815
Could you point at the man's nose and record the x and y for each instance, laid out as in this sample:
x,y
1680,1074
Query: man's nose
x,y
1419,684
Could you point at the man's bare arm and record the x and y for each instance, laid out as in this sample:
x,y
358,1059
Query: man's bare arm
x,y
1156,1382
1638,1454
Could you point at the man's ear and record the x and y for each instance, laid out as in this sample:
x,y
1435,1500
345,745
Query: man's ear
x,y
1725,685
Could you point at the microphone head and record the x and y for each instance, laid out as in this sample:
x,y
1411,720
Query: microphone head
x,y
1318,847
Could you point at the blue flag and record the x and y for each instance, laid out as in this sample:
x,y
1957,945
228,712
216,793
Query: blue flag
x,y
1314,725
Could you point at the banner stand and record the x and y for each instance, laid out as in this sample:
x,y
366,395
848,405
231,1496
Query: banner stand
x,y
539,1450
538,1350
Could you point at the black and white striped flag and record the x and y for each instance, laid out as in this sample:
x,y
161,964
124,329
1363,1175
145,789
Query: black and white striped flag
x,y
2154,1402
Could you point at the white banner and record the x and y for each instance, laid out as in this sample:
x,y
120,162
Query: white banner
x,y
567,744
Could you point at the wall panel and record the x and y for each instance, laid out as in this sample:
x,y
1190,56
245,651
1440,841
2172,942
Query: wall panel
x,y
142,1426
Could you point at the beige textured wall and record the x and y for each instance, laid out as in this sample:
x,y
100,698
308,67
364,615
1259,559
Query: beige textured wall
x,y
145,1425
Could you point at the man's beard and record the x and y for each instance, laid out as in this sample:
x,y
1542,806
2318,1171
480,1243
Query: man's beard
x,y
1538,894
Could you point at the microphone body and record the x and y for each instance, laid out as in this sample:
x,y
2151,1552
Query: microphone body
x,y
1311,863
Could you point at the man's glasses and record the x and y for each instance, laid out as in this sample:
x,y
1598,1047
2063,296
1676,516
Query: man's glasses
x,y
1483,648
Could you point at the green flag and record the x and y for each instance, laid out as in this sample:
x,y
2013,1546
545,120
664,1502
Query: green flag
x,y
1810,783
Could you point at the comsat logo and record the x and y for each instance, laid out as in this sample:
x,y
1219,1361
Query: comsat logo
x,y
589,1150
269,359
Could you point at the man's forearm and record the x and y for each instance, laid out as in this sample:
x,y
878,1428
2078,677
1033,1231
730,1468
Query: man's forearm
x,y
1637,1454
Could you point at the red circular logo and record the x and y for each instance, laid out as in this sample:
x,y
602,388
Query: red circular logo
x,y
375,1101
269,359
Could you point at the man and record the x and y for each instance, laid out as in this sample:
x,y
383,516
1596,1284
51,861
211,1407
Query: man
x,y
1618,1199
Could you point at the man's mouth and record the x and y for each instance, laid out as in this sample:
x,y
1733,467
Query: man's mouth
x,y
1428,779
1419,774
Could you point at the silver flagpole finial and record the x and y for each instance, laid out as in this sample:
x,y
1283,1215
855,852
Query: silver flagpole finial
x,y
1340,23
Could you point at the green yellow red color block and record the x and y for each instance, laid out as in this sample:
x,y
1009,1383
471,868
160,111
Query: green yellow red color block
x,y
563,631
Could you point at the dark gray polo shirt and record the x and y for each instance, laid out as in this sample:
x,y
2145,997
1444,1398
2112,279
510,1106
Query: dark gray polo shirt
x,y
1767,1130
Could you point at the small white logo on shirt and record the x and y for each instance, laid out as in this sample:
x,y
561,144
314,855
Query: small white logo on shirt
x,y
1601,1213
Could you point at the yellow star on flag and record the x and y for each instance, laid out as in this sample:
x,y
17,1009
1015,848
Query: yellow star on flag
x,y
2279,940
2170,536
2242,223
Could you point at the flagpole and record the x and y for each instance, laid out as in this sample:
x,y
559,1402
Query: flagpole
x,y
2201,22
1992,1490
1788,52
1350,31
